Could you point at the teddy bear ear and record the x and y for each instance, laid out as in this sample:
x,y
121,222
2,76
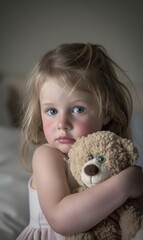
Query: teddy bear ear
x,y
131,150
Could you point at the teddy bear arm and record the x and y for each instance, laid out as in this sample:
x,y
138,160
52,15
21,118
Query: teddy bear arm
x,y
89,235
106,230
131,219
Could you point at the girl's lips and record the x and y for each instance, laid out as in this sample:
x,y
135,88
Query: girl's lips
x,y
65,140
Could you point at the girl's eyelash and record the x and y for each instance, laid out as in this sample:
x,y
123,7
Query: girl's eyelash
x,y
79,109
75,109
51,111
46,110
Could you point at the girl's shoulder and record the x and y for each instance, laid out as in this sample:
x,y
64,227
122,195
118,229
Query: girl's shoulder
x,y
45,149
47,161
47,153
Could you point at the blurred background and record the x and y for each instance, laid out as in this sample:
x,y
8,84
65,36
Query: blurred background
x,y
29,28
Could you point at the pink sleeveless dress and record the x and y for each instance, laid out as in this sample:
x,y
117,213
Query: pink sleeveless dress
x,y
38,228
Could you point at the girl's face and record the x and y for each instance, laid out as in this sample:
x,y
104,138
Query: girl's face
x,y
67,115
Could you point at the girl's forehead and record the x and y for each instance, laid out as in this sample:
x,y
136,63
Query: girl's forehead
x,y
61,84
53,89
54,83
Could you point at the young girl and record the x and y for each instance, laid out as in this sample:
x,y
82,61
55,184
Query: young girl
x,y
73,91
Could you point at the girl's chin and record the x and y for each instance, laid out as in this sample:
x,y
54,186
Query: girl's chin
x,y
64,148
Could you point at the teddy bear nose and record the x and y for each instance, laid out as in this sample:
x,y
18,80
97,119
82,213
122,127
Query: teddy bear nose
x,y
91,170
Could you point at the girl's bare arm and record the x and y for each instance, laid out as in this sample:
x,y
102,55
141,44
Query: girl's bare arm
x,y
72,213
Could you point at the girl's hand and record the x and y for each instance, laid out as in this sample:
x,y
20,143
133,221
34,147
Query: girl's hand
x,y
132,177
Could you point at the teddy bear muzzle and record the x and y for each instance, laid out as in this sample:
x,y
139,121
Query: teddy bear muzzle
x,y
91,170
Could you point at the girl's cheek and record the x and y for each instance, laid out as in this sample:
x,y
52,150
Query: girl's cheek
x,y
86,127
83,128
47,128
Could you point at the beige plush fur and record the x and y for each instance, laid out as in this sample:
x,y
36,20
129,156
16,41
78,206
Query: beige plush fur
x,y
92,160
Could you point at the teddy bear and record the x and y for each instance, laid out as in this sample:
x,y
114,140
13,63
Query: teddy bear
x,y
92,160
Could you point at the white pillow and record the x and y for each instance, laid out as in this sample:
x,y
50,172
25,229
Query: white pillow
x,y
14,212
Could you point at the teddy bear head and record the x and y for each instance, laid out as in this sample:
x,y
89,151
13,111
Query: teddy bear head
x,y
99,156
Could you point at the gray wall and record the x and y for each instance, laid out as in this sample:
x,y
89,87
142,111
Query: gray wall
x,y
28,28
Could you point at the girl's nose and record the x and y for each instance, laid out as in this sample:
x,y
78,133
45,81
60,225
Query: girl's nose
x,y
64,123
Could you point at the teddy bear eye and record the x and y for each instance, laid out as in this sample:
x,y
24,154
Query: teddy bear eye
x,y
101,158
90,157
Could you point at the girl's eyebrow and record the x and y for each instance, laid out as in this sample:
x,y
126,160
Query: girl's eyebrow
x,y
79,100
83,99
46,104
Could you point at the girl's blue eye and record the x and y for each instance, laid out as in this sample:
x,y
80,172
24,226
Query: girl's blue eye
x,y
101,158
78,109
52,111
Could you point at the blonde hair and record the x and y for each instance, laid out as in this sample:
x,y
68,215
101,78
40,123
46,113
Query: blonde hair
x,y
85,66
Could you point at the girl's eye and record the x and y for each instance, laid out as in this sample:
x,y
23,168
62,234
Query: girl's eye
x,y
101,158
78,109
52,111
